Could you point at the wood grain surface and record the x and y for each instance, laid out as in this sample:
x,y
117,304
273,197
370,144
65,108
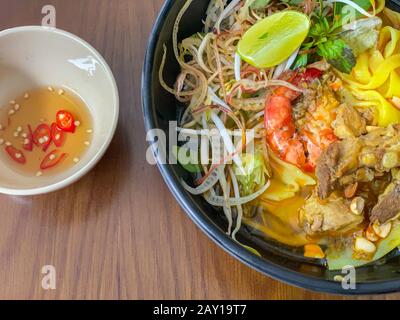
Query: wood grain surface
x,y
118,233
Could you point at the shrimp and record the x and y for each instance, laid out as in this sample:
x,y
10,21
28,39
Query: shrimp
x,y
293,146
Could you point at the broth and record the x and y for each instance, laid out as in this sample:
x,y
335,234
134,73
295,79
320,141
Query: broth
x,y
37,107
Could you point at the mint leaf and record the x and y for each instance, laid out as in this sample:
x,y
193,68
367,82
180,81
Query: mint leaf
x,y
301,61
338,54
259,4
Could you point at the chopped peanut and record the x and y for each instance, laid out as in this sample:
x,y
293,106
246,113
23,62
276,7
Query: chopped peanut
x,y
382,230
357,205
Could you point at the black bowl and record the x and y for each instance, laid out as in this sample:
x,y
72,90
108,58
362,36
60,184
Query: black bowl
x,y
278,261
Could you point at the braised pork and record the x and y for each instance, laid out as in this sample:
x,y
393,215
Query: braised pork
x,y
326,216
388,206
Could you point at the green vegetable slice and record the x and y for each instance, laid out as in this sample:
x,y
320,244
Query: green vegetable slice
x,y
272,40
338,259
183,156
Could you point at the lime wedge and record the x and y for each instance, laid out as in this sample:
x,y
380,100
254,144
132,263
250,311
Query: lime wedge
x,y
272,40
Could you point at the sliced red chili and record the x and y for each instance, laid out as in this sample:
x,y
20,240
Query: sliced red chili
x,y
29,145
16,155
42,136
311,74
65,121
57,135
52,159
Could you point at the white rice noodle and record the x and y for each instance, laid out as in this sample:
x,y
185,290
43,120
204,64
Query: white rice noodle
x,y
227,140
204,147
284,84
238,65
279,70
226,190
202,47
218,201
291,59
229,8
285,65
352,4
207,184
217,100
239,207
192,132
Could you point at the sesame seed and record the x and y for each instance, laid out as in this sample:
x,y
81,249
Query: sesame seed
x,y
46,138
18,155
1,127
12,102
52,157
19,129
61,92
26,95
61,116
50,89
16,107
26,141
87,143
24,135
11,112
1,141
57,136
39,173
77,123
16,134
89,130
76,160
41,140
8,144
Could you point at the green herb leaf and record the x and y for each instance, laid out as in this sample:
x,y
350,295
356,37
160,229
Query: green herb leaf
x,y
338,54
259,4
293,2
342,9
301,61
183,156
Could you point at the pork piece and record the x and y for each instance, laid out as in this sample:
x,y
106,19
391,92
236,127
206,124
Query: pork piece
x,y
327,216
339,158
376,153
388,206
349,123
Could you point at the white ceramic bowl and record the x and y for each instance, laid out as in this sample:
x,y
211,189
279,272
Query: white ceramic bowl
x,y
34,56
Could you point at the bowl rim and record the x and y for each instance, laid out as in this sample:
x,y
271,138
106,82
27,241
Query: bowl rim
x,y
103,148
268,268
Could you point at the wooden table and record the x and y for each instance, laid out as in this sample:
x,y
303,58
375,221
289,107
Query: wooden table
x,y
118,233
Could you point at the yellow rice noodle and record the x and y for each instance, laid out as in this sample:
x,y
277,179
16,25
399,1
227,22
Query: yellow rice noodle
x,y
375,80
